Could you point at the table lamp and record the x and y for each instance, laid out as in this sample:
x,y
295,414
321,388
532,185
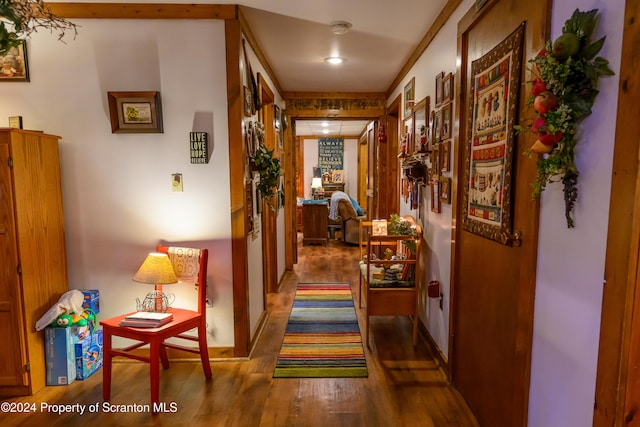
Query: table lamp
x,y
156,269
316,185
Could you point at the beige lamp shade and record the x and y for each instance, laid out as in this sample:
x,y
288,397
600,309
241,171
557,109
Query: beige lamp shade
x,y
156,269
316,182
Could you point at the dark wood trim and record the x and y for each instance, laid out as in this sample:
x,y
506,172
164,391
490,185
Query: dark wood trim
x,y
237,156
439,22
143,11
616,364
334,95
372,114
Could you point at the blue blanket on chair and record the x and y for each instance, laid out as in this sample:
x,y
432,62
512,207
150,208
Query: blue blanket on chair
x,y
336,196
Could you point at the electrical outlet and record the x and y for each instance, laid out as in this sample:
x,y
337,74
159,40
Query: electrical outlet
x,y
176,182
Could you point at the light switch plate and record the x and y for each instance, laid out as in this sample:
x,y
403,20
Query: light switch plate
x,y
176,182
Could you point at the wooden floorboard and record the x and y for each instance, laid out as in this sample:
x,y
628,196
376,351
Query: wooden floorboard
x,y
405,386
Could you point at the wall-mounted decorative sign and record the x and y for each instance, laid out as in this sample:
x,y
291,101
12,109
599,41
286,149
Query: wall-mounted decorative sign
x,y
135,112
15,122
330,154
199,147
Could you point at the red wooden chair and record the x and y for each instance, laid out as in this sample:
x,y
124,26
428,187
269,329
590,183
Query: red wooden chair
x,y
183,321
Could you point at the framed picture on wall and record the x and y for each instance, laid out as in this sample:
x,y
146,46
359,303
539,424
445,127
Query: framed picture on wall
x,y
135,112
437,127
421,125
445,133
276,117
445,190
14,66
435,196
439,89
447,88
409,97
445,156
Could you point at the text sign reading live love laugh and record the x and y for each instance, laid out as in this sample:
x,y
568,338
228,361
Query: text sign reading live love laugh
x,y
330,154
199,147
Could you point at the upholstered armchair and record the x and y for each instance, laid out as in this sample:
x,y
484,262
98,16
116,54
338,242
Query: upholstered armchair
x,y
350,222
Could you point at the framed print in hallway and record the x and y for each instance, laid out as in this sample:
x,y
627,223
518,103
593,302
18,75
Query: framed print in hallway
x,y
409,97
447,88
135,112
439,89
14,66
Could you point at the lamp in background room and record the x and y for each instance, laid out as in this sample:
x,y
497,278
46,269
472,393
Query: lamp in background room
x,y
157,270
316,187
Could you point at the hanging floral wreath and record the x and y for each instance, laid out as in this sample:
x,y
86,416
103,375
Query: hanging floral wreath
x,y
564,88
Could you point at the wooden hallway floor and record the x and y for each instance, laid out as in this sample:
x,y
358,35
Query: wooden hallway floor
x,y
405,386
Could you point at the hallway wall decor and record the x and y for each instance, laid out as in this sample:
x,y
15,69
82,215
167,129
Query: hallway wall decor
x,y
487,188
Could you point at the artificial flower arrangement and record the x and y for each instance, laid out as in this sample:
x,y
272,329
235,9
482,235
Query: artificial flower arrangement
x,y
564,88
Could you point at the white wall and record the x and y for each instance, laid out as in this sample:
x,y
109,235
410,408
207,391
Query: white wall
x,y
571,261
439,56
350,164
117,194
257,303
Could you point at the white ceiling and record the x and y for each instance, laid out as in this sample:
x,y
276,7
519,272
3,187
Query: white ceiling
x,y
320,128
295,37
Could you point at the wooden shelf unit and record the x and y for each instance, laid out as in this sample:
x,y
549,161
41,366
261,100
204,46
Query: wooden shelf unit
x,y
383,297
315,218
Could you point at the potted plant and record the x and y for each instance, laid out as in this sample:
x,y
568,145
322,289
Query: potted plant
x,y
398,226
270,172
20,18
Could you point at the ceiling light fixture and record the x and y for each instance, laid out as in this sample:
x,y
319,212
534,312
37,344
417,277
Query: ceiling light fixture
x,y
335,60
340,27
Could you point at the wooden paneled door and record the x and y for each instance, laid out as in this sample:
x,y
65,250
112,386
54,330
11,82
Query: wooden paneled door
x,y
493,285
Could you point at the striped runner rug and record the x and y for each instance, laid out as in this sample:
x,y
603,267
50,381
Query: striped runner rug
x,y
322,338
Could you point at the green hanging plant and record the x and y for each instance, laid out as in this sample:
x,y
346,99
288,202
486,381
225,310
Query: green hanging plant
x,y
270,172
564,88
398,226
20,18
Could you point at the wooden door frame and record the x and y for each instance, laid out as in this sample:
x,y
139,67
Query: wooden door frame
x,y
618,368
269,223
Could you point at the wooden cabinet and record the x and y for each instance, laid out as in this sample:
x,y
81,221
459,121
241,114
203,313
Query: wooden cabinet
x,y
315,217
33,266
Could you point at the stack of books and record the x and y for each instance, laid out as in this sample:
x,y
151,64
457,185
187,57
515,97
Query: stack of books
x,y
146,319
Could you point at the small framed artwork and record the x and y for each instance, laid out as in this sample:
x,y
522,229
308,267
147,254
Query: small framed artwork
x,y
445,190
276,117
445,156
445,132
409,97
437,127
436,161
447,88
14,66
248,101
135,112
435,197
337,176
439,89
421,125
